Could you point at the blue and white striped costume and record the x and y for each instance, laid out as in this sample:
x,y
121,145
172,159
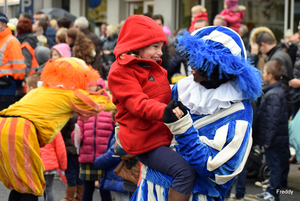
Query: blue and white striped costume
x,y
215,137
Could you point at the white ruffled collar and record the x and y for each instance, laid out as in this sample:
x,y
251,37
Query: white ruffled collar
x,y
207,101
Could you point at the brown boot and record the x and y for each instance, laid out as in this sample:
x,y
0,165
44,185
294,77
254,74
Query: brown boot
x,y
79,191
70,191
175,196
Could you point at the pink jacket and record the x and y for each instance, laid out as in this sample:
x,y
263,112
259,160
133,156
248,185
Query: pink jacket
x,y
54,154
234,18
94,137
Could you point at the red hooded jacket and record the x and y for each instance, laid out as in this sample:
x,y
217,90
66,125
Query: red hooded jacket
x,y
140,88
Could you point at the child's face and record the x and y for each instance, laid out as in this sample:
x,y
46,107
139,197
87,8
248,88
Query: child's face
x,y
55,54
195,13
152,52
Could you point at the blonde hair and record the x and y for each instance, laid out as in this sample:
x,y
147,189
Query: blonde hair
x,y
42,39
199,9
61,34
111,30
53,23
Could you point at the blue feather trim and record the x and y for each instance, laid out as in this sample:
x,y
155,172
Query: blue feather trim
x,y
207,54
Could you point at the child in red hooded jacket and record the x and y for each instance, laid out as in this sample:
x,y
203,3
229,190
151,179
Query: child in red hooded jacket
x,y
198,12
142,94
233,14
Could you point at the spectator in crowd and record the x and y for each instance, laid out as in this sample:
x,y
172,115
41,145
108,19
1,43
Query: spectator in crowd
x,y
233,14
28,42
169,48
108,47
60,50
63,23
42,55
82,24
53,23
243,32
49,32
218,21
200,24
102,35
107,163
61,34
272,127
198,12
94,136
40,27
267,45
81,46
13,68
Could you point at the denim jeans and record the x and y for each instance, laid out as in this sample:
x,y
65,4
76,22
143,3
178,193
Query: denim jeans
x,y
167,161
240,186
278,163
72,171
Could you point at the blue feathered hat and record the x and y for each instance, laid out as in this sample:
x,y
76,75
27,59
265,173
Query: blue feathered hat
x,y
221,47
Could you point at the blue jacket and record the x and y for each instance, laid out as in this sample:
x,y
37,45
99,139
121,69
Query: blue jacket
x,y
272,122
110,181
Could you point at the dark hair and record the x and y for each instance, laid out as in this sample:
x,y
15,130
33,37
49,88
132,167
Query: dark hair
x,y
25,15
158,17
274,68
24,26
63,22
148,14
265,37
39,12
43,23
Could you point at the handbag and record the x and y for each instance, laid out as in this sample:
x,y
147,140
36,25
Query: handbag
x,y
129,170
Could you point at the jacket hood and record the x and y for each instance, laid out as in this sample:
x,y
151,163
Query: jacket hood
x,y
42,54
30,38
138,31
63,49
256,31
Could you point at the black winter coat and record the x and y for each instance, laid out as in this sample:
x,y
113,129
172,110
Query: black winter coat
x,y
66,132
272,122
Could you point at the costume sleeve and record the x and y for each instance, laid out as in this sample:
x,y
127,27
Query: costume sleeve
x,y
61,152
88,104
220,158
128,91
273,119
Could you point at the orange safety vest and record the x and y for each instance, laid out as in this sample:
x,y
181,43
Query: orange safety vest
x,y
34,64
11,57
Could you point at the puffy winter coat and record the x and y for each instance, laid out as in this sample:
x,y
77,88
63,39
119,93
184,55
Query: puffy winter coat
x,y
94,137
110,181
54,154
272,122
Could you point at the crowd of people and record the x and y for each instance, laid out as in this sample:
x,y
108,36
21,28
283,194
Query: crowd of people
x,y
193,139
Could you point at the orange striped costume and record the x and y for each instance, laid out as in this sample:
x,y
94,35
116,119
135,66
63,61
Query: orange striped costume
x,y
36,119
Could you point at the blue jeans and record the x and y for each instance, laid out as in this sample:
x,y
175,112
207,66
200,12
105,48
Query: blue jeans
x,y
278,163
240,186
72,171
167,161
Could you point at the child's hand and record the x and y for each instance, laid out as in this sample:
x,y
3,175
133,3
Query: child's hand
x,y
173,112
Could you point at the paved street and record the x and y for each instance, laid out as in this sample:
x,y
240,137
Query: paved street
x,y
294,185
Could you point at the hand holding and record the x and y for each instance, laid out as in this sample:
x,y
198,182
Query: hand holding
x,y
172,112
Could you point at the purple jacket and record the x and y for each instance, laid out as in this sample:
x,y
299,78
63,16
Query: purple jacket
x,y
94,138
